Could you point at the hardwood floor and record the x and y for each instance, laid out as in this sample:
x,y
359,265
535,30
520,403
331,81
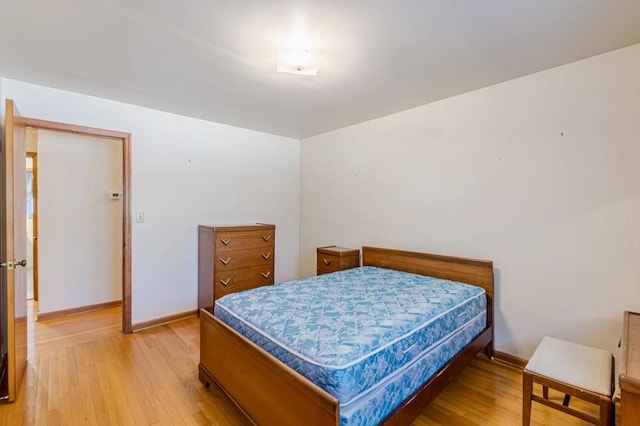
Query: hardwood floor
x,y
83,371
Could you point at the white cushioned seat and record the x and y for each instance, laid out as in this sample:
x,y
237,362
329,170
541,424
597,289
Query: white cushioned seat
x,y
580,366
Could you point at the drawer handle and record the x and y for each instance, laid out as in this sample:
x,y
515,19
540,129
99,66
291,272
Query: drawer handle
x,y
265,274
225,242
225,282
225,261
266,256
327,261
266,237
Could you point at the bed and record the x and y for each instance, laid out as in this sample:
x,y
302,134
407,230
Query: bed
x,y
269,391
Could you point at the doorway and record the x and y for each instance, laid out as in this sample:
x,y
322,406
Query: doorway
x,y
79,223
124,140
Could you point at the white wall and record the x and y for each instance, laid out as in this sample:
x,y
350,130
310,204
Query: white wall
x,y
184,172
540,174
79,225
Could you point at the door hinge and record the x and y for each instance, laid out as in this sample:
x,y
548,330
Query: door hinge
x,y
9,265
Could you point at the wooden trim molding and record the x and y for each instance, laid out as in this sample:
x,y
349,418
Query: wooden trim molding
x,y
79,310
71,128
512,360
163,320
34,171
126,234
126,197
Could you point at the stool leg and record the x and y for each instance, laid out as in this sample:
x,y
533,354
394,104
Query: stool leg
x,y
545,392
612,417
606,412
527,389
566,400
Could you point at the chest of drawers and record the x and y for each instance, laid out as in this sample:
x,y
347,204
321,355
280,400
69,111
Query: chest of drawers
x,y
333,259
629,377
233,258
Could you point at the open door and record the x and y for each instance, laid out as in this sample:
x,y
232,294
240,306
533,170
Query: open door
x,y
13,303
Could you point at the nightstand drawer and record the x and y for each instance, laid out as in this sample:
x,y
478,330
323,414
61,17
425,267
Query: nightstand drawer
x,y
333,258
328,263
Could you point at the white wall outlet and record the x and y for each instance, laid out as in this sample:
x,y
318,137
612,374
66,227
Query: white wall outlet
x,y
140,217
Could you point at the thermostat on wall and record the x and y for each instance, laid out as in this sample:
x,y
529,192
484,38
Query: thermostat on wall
x,y
115,195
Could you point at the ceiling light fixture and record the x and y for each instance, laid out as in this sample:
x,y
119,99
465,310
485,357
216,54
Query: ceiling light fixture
x,y
297,57
297,61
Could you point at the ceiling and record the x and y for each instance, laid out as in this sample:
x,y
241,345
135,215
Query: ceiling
x,y
216,59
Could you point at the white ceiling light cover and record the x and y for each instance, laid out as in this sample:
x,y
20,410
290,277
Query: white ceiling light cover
x,y
298,61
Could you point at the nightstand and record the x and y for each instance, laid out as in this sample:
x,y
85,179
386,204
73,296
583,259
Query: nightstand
x,y
334,258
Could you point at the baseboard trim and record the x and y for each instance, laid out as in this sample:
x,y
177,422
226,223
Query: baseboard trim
x,y
43,316
163,320
514,361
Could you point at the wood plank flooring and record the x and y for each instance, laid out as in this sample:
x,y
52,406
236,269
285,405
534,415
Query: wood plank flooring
x,y
83,371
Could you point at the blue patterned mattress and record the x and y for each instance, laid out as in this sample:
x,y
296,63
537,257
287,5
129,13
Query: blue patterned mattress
x,y
360,332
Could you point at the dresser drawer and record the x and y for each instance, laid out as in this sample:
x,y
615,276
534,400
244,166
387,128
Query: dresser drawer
x,y
227,260
226,282
241,240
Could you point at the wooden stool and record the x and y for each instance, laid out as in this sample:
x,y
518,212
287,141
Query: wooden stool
x,y
576,370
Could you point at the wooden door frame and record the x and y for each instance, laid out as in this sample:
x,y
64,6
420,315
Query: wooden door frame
x,y
126,197
34,172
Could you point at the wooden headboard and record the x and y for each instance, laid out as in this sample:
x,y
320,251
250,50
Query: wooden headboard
x,y
469,271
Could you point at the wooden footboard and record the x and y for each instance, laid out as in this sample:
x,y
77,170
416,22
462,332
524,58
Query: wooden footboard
x,y
271,393
265,389
414,405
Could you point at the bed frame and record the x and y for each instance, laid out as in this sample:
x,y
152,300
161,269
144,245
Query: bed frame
x,y
270,393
